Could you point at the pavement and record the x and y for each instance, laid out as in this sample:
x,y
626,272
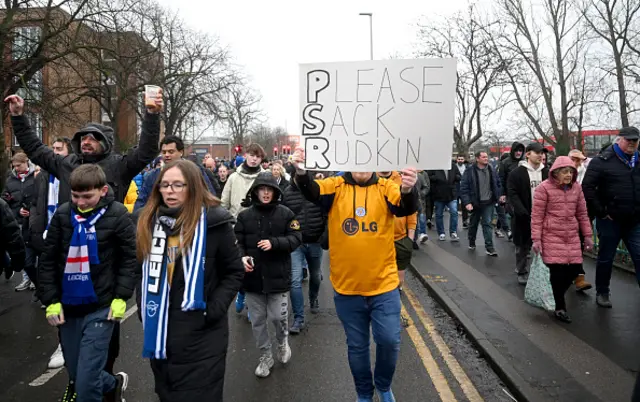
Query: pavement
x,y
541,359
437,360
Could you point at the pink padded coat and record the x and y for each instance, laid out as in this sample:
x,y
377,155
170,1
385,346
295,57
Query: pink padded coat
x,y
559,215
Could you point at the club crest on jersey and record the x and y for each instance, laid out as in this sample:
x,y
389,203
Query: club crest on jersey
x,y
361,212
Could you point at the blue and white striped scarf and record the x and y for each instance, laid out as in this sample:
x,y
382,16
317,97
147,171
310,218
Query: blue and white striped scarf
x,y
155,286
52,200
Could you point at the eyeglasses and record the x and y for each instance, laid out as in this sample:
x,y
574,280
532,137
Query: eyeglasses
x,y
175,187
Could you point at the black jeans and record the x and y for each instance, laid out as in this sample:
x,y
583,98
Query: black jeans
x,y
562,275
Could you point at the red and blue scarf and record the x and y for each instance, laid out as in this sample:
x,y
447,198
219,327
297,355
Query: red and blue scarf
x,y
77,287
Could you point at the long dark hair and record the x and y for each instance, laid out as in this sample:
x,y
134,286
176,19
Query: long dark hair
x,y
198,196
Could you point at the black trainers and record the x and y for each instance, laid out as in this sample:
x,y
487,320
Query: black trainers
x,y
472,246
523,279
492,252
603,300
297,327
562,316
70,393
314,306
509,235
122,380
8,273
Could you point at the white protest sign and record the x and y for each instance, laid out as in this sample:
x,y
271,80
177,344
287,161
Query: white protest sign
x,y
377,116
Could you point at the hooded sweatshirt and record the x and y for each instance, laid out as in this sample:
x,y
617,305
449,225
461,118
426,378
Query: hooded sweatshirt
x,y
237,187
535,176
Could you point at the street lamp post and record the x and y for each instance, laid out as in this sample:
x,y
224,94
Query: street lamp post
x,y
370,15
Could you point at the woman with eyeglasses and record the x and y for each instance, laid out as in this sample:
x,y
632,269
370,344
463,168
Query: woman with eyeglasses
x,y
191,271
558,218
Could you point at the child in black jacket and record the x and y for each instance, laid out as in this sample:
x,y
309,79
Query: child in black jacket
x,y
267,234
88,270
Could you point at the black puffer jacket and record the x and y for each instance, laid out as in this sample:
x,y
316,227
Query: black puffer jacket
x,y
39,215
273,222
309,215
119,169
10,239
18,193
612,188
118,272
196,342
443,187
510,163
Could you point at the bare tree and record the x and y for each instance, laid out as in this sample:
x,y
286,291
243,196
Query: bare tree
x,y
465,36
612,22
240,111
269,138
536,79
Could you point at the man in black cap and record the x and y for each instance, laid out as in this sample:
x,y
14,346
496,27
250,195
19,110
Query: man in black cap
x,y
521,187
612,189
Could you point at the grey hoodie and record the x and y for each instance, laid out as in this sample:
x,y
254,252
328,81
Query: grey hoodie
x,y
236,189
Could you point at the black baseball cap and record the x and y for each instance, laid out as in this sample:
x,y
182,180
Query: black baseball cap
x,y
535,147
630,133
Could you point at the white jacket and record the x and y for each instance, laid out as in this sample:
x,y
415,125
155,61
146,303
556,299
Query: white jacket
x,y
238,184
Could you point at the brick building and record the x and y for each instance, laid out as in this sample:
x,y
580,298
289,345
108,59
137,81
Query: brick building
x,y
86,85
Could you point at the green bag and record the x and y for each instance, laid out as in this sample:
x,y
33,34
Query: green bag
x,y
538,292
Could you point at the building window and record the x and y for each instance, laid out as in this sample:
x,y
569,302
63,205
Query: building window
x,y
35,119
31,91
25,41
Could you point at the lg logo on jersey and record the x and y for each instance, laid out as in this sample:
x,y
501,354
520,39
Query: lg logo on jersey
x,y
351,226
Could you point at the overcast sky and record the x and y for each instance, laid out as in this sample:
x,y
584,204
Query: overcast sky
x,y
270,38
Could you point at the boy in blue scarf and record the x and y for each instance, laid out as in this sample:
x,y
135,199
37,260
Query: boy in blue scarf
x,y
87,272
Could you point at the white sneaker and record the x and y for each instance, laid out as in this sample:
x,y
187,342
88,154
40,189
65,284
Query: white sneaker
x,y
442,237
24,285
454,237
423,238
265,365
57,359
284,352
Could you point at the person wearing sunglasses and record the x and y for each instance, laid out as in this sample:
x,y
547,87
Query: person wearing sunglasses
x,y
612,189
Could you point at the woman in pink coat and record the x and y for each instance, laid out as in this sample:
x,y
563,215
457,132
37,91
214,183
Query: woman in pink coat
x,y
558,217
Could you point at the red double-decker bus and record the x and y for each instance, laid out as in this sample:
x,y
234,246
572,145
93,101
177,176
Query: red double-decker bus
x,y
592,142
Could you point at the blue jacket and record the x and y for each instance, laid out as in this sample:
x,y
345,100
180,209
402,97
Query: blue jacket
x,y
150,178
469,187
139,179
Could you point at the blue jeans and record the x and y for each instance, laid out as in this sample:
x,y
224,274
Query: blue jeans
x,y
382,313
85,345
482,213
311,253
609,235
453,216
30,272
422,223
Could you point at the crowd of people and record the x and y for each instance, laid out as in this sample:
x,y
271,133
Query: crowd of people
x,y
91,228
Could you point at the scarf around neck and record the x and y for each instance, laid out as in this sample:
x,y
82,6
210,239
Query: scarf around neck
x,y
629,160
155,283
77,286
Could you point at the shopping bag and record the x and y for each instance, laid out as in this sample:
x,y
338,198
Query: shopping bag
x,y
538,292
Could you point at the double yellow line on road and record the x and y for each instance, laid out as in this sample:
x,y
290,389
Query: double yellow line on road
x,y
439,380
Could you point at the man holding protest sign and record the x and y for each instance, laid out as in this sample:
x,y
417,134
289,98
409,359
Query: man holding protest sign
x,y
364,274
359,118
